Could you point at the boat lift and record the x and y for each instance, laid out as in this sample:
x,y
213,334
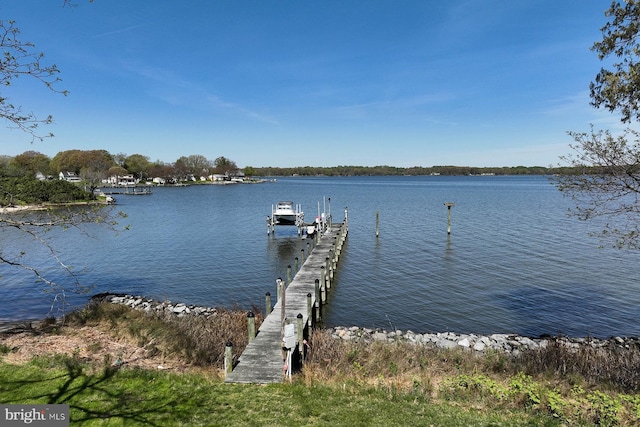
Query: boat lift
x,y
290,216
320,225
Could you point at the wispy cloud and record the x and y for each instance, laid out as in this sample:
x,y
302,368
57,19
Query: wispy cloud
x,y
578,105
218,102
118,31
365,109
176,90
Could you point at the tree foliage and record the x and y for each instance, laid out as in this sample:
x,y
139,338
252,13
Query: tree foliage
x,y
31,191
77,160
137,164
224,166
616,89
30,163
608,186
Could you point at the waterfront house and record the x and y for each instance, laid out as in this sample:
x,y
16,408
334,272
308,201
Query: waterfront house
x,y
69,176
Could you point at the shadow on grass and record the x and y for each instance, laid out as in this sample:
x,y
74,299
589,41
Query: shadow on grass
x,y
109,393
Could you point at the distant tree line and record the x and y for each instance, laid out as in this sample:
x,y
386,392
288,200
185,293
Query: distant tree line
x,y
411,171
92,166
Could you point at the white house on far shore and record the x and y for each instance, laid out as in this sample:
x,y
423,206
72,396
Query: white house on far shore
x,y
69,176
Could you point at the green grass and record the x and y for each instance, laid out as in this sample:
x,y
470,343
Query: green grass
x,y
132,397
343,383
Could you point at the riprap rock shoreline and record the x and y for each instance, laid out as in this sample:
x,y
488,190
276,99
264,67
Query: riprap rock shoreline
x,y
508,343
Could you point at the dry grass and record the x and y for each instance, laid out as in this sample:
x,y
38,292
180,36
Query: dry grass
x,y
113,333
612,366
102,331
333,360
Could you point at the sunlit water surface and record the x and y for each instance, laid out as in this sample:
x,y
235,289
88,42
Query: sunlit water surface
x,y
513,263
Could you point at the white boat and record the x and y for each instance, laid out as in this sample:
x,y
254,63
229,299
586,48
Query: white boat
x,y
285,213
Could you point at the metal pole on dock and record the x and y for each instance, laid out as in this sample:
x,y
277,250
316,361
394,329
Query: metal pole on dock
x,y
448,205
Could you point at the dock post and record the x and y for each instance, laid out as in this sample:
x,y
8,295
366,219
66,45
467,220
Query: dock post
x,y
268,307
323,284
327,273
334,264
317,290
228,358
282,308
299,317
302,255
448,205
377,223
279,288
251,325
296,265
310,309
288,274
346,217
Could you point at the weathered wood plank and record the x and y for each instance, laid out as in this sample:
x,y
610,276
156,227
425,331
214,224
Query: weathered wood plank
x,y
262,361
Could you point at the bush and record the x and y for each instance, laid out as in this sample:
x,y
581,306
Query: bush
x,y
27,191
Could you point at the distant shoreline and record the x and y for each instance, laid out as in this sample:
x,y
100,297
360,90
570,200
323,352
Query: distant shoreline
x,y
14,209
42,207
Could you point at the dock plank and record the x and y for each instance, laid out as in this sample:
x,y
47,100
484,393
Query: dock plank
x,y
262,360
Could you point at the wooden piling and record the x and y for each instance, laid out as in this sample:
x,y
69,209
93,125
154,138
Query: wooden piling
x,y
377,223
282,306
323,284
317,290
267,304
300,327
251,325
228,358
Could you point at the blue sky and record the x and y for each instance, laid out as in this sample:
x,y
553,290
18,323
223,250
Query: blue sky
x,y
314,83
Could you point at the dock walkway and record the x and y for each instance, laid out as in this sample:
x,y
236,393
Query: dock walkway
x,y
262,360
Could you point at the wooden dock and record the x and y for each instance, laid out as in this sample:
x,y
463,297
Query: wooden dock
x,y
264,360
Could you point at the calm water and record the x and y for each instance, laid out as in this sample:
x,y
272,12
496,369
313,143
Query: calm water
x,y
514,261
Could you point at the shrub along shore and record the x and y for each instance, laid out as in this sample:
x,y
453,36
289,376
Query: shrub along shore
x,y
511,344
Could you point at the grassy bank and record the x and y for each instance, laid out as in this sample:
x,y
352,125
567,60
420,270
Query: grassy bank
x,y
343,383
